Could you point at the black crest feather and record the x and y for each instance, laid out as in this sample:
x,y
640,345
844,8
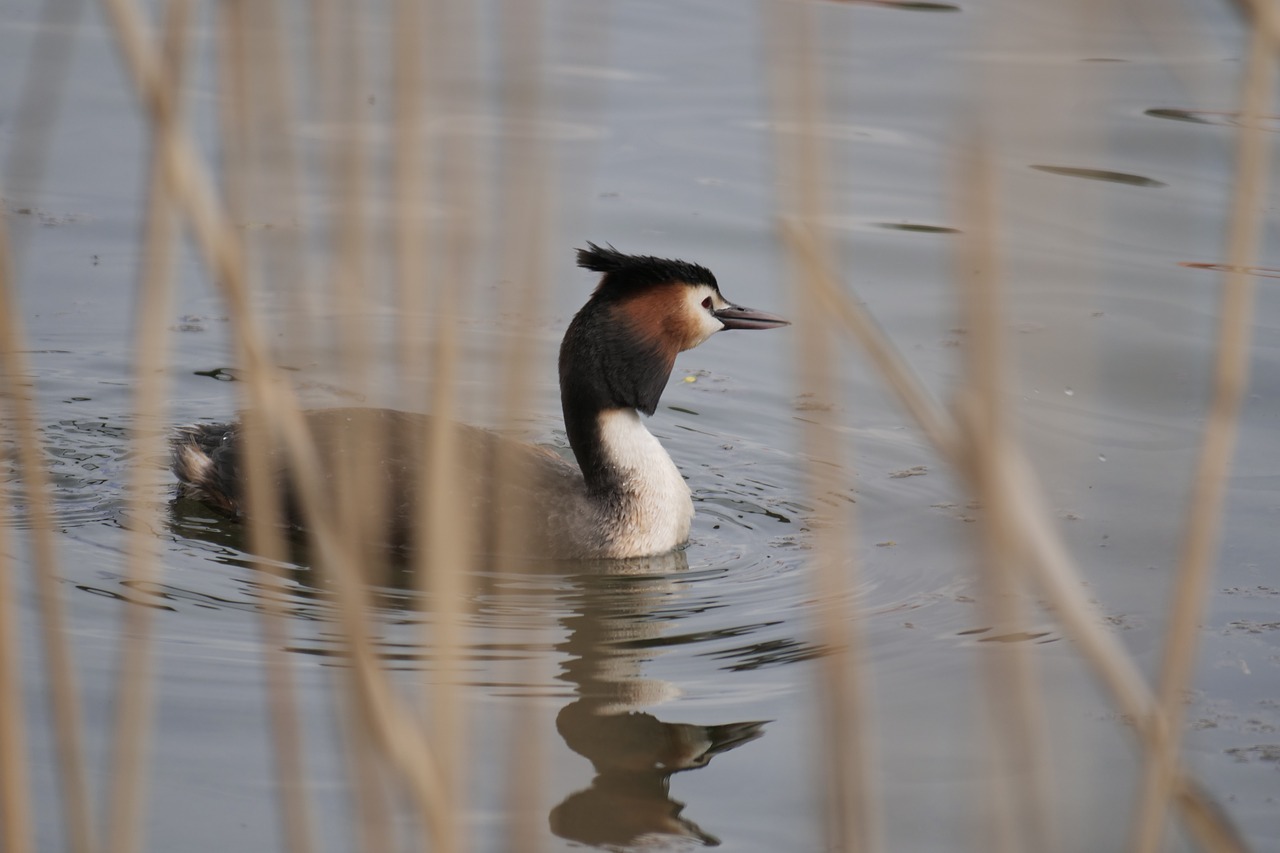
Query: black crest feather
x,y
627,273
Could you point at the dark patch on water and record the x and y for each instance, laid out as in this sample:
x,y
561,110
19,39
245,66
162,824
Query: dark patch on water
x,y
1101,175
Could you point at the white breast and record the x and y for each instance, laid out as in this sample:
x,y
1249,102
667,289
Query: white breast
x,y
658,507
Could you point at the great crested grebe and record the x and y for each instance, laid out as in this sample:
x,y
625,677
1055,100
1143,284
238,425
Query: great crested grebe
x,y
625,498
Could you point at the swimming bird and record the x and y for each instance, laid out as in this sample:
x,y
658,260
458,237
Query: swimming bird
x,y
624,498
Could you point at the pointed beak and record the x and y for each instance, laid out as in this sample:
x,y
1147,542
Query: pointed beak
x,y
736,317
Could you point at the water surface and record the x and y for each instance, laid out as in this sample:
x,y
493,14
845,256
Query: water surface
x,y
667,142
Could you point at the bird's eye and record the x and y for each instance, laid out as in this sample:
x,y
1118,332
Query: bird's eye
x,y
706,303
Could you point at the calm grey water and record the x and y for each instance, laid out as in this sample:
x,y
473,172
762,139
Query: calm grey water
x,y
662,123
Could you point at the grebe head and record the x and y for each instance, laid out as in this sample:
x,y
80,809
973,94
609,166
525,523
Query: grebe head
x,y
619,350
672,304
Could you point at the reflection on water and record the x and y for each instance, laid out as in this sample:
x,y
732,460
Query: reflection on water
x,y
629,639
1100,175
613,630
616,618
985,635
1219,117
918,227
634,756
908,5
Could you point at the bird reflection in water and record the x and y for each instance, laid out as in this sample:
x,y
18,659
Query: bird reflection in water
x,y
619,614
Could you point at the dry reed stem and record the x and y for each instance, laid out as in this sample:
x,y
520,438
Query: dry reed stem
x,y
360,501
365,782
133,682
1048,562
409,170
445,551
15,798
417,70
852,820
1020,795
1231,377
248,33
529,206
1205,820
395,730
1265,16
932,419
1055,571
392,725
435,558
411,234
61,680
38,105
1029,522
851,810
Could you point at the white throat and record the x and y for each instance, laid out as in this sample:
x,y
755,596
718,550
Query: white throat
x,y
657,507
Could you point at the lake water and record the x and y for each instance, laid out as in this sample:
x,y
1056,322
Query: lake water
x,y
1114,151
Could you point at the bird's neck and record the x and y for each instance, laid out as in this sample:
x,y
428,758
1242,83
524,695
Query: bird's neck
x,y
616,452
641,503
609,376
609,373
629,476
619,454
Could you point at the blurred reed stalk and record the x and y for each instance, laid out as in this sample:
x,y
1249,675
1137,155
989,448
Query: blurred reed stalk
x,y
1018,796
851,806
15,801
1020,520
1230,381
339,68
527,229
390,722
258,156
43,85
444,548
149,440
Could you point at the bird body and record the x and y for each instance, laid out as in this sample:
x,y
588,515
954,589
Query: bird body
x,y
625,497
